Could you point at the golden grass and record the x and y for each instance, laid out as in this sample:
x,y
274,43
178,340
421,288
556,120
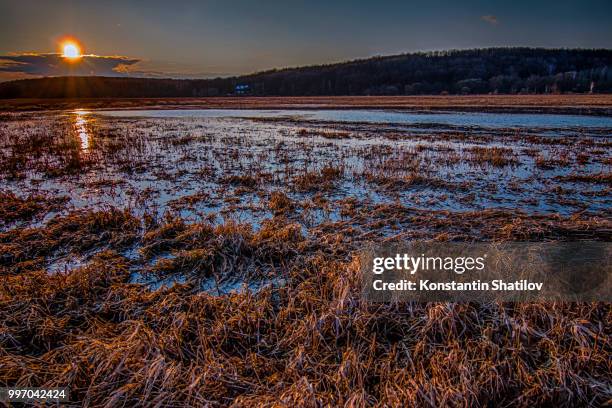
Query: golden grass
x,y
77,232
311,341
14,208
307,338
318,180
279,203
495,156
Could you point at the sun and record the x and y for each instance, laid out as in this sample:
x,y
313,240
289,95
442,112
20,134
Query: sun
x,y
71,50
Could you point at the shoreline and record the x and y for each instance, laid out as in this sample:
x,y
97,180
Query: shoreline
x,y
574,104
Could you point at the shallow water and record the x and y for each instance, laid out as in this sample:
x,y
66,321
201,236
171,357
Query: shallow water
x,y
480,119
157,161
168,169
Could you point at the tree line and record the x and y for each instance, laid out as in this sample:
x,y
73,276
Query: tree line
x,y
477,71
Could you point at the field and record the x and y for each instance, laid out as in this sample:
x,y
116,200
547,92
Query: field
x,y
599,104
196,259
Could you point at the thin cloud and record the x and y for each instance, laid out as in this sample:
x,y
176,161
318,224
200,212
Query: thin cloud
x,y
34,65
165,69
57,65
491,19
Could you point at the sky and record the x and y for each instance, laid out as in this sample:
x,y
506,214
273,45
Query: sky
x,y
203,39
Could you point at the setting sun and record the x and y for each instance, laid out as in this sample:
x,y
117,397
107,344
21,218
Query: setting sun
x,y
71,50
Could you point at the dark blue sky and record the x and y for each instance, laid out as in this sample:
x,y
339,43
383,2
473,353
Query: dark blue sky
x,y
208,38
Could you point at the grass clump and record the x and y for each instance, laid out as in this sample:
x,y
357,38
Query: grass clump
x,y
14,208
229,251
494,156
76,233
280,203
322,179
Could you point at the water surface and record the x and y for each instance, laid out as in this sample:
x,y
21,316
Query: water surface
x,y
480,119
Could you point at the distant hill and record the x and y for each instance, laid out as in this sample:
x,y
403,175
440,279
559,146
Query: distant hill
x,y
490,70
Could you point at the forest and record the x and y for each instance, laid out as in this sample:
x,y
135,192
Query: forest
x,y
457,72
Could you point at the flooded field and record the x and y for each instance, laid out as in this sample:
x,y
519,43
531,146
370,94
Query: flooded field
x,y
316,168
209,257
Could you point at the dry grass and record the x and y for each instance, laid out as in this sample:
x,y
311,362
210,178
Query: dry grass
x,y
598,178
303,336
309,342
413,180
14,208
75,233
543,162
279,203
571,103
318,180
495,156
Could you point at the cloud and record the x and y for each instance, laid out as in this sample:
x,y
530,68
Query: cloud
x,y
34,65
166,69
29,65
490,19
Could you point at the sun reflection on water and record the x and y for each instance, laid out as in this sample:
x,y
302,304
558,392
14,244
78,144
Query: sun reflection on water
x,y
81,122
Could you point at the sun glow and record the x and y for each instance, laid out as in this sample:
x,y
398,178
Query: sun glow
x,y
81,122
71,50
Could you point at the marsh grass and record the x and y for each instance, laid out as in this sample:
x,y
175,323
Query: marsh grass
x,y
266,310
543,162
75,233
280,203
495,156
413,180
308,342
14,208
598,178
318,180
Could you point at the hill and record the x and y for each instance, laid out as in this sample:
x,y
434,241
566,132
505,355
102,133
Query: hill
x,y
478,71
